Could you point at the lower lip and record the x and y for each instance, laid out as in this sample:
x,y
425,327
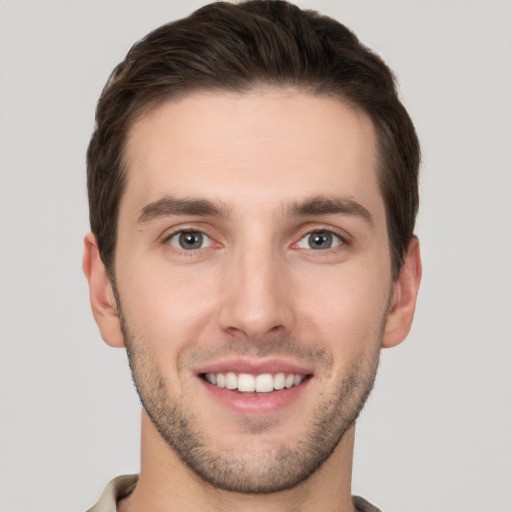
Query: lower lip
x,y
267,403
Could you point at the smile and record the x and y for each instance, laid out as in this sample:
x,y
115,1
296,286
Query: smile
x,y
248,383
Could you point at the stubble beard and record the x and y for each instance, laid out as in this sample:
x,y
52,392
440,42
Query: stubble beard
x,y
282,467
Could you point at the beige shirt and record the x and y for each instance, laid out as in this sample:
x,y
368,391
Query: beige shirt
x,y
122,486
117,489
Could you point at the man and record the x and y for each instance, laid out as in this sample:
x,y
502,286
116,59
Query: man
x,y
253,190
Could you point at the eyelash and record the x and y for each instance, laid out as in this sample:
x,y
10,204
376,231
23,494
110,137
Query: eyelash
x,y
167,240
344,242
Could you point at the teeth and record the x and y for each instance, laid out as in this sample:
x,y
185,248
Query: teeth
x,y
231,381
264,383
279,380
247,383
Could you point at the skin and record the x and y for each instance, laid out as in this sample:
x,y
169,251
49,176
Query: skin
x,y
256,292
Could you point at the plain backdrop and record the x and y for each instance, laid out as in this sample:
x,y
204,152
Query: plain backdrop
x,y
437,432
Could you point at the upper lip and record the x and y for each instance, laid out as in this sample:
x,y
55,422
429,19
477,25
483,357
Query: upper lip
x,y
254,367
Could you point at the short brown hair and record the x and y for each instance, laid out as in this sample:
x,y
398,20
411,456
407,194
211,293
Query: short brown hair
x,y
237,47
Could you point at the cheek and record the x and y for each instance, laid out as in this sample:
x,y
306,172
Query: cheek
x,y
174,308
348,309
167,305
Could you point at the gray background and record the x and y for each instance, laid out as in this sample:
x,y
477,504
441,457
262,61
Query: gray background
x,y
437,432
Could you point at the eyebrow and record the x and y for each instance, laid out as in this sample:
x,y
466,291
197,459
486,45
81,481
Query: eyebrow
x,y
169,206
329,205
313,206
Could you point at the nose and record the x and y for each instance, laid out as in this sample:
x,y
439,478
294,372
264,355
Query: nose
x,y
257,298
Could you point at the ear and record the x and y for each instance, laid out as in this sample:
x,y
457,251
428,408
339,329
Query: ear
x,y
103,302
403,303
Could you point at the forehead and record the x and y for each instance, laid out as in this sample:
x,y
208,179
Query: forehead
x,y
263,147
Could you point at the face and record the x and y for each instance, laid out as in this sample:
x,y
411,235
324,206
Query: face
x,y
253,279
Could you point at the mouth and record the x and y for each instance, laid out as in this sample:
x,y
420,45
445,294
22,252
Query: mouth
x,y
259,384
250,387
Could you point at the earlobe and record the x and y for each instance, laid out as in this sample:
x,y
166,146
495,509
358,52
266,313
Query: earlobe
x,y
103,302
403,302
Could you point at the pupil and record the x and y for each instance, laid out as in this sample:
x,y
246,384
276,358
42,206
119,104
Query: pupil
x,y
191,240
320,241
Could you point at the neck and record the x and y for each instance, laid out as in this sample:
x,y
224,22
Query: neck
x,y
166,484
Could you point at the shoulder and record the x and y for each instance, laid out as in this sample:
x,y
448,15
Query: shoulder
x,y
364,506
117,488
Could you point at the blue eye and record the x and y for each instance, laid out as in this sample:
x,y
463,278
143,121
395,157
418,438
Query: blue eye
x,y
320,240
190,240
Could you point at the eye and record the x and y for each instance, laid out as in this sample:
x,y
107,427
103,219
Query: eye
x,y
190,240
320,240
